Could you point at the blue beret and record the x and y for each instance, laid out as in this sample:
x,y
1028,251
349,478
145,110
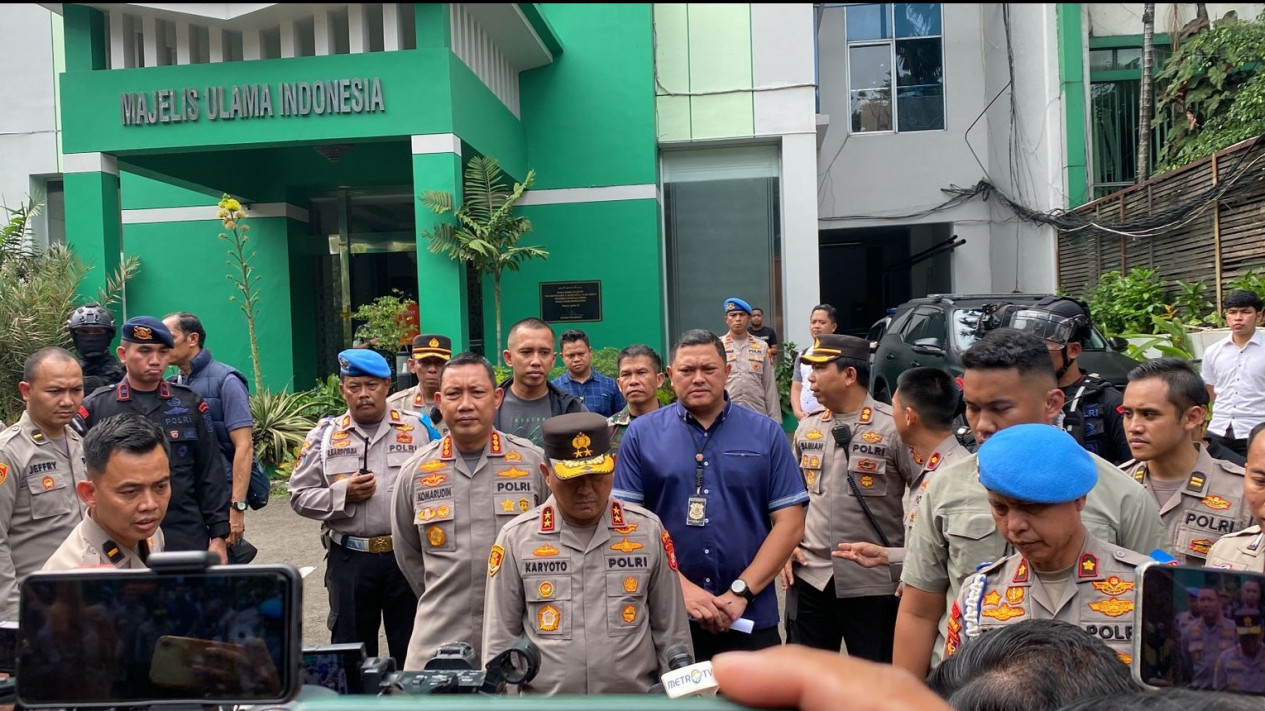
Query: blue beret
x,y
147,329
733,303
1037,463
363,361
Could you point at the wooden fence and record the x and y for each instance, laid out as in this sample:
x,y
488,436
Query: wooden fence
x,y
1213,231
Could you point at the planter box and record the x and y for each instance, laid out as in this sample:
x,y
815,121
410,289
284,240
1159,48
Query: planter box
x,y
1198,339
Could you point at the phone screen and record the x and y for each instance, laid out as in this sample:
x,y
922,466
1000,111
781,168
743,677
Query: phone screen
x,y
334,666
1201,628
102,637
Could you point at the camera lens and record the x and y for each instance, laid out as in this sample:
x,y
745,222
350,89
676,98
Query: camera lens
x,y
520,662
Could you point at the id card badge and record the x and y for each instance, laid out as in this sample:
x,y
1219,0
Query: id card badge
x,y
696,514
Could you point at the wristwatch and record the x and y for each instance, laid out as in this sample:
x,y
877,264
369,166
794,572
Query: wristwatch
x,y
739,587
239,505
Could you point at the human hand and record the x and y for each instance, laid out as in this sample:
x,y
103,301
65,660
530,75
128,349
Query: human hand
x,y
360,487
236,525
702,606
218,547
866,555
788,570
734,605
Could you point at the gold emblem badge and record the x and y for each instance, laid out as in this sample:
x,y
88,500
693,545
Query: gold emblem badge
x,y
433,465
1003,612
867,465
433,343
4,472
1113,607
1014,595
630,584
629,614
696,511
513,473
545,551
871,437
867,481
340,436
495,557
48,483
142,333
626,546
581,444
1201,546
810,477
1113,586
545,589
813,434
523,505
992,598
1216,503
548,618
814,462
507,505
403,438
435,536
1125,658
625,530
513,456
431,481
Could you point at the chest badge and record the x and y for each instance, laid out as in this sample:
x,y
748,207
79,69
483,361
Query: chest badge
x,y
435,536
630,584
548,618
626,546
545,589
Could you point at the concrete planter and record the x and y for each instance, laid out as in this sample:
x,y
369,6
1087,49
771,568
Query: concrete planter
x,y
1199,340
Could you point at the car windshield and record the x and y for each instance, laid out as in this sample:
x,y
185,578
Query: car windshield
x,y
964,334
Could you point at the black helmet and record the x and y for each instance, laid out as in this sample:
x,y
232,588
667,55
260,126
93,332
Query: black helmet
x,y
91,316
1061,319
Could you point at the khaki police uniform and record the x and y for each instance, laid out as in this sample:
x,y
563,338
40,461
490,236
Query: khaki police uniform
x,y
949,450
38,504
1099,597
90,546
1207,507
602,606
358,535
1201,646
751,380
954,531
1241,550
1237,671
445,518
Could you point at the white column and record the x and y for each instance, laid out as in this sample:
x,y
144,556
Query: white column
x,y
289,39
118,43
252,44
357,29
184,50
149,33
322,28
392,38
801,283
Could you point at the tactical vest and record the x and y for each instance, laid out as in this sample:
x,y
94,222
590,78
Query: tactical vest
x,y
1085,414
206,376
100,372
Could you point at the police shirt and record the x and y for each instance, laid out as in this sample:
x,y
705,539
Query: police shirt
x,y
603,610
90,546
954,531
445,518
38,503
1237,672
751,380
339,448
198,510
1099,597
1208,506
878,467
949,450
1201,645
414,400
1241,550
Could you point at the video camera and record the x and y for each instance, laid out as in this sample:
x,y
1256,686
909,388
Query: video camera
x,y
451,670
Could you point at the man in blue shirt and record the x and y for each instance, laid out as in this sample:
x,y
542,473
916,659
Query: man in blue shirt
x,y
725,484
598,392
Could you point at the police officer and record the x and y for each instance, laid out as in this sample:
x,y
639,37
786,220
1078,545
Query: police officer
x,y
41,461
1245,549
197,518
348,469
91,328
430,352
1200,498
1202,640
126,494
452,499
1037,479
1241,669
857,471
752,381
1091,405
590,580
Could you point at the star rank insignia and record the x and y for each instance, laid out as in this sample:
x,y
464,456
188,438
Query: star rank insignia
x,y
1088,567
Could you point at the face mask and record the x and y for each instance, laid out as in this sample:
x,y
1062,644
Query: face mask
x,y
91,345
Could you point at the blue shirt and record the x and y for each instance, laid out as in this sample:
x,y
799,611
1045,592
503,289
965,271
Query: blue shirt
x,y
748,473
599,393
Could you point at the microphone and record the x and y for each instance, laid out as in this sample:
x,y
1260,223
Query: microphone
x,y
685,678
678,658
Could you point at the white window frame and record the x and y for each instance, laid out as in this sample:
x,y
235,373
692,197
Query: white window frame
x,y
890,42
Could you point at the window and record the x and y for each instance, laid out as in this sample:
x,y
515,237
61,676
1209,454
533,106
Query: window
x,y
901,45
1114,93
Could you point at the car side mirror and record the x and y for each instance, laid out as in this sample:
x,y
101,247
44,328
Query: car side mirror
x,y
1116,343
928,346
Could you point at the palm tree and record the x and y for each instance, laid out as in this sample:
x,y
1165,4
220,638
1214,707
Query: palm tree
x,y
1144,96
487,231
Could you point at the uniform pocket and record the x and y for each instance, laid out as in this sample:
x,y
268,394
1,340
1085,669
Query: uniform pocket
x,y
549,605
51,495
966,534
1194,542
625,601
870,475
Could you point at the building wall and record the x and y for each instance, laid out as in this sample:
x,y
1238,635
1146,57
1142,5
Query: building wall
x,y
28,101
1110,19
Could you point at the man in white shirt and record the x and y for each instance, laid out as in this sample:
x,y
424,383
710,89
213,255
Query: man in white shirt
x,y
1234,371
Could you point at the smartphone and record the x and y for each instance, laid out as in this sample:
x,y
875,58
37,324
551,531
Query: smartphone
x,y
8,647
1199,628
101,637
334,666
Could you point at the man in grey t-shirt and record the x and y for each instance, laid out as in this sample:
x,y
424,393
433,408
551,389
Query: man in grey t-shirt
x,y
530,398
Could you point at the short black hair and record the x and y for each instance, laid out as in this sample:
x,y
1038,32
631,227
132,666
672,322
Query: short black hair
x,y
1038,665
639,350
862,367
128,432
1242,299
1009,348
757,308
698,337
469,358
1185,388
830,311
1173,698
36,359
1255,431
572,335
531,323
932,394
189,323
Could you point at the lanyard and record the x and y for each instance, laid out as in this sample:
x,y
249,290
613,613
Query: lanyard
x,y
699,451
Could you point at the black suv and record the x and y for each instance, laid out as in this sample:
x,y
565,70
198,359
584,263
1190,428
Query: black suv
x,y
934,330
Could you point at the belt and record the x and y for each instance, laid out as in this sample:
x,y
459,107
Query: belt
x,y
373,544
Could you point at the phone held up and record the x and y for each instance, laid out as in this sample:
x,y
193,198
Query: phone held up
x,y
1199,628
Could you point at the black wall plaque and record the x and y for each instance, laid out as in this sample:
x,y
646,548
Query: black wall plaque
x,y
571,301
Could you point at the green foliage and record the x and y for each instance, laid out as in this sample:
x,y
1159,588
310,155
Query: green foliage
x,y
1127,304
1250,281
1168,336
1192,302
242,273
785,370
384,321
1216,77
487,231
326,398
282,421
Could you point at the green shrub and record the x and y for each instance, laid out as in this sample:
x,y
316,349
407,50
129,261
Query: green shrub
x,y
282,421
1126,303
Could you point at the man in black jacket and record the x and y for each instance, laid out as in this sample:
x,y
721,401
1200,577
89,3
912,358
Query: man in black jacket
x,y
530,398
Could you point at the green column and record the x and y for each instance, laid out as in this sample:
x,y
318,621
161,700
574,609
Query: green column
x,y
85,37
1072,80
94,229
441,282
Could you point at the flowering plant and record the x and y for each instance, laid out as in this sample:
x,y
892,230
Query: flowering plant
x,y
231,215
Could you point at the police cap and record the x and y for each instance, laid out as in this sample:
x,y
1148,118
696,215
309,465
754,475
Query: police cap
x,y
831,346
363,362
1037,463
1247,622
733,304
578,443
146,329
432,346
